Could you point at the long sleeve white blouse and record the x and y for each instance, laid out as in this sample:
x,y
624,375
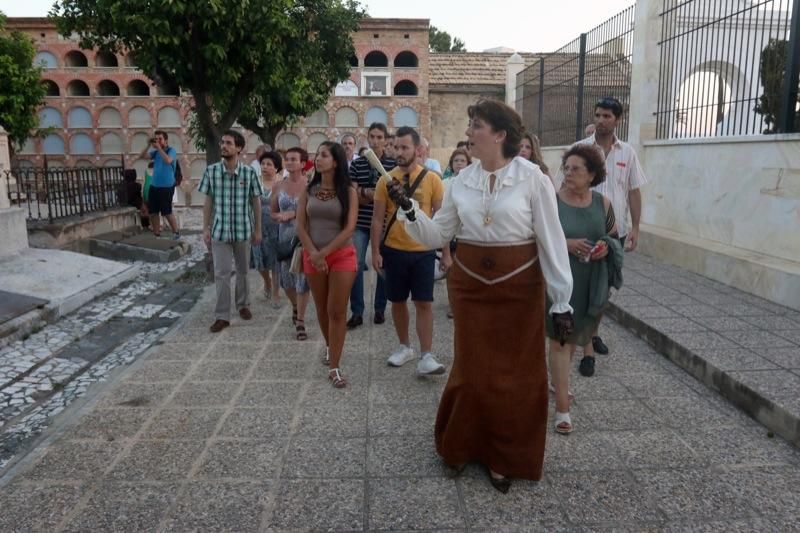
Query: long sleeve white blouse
x,y
522,207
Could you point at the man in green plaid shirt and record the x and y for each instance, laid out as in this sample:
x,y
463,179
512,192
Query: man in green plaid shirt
x,y
232,192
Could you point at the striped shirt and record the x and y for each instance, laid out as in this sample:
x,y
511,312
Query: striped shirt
x,y
232,194
366,177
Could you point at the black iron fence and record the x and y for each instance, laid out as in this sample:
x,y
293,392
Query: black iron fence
x,y
54,193
557,94
728,68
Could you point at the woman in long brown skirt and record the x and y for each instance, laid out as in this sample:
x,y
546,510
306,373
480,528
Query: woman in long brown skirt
x,y
510,249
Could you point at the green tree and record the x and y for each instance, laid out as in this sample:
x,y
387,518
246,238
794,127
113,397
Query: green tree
x,y
234,57
773,71
440,41
21,90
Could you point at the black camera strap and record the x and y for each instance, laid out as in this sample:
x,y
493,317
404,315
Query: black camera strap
x,y
409,193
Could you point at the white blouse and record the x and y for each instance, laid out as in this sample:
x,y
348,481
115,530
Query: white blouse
x,y
521,207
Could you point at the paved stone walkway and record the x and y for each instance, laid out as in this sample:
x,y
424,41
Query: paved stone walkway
x,y
243,432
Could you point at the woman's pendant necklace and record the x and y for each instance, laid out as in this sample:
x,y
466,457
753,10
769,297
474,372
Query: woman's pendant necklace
x,y
488,199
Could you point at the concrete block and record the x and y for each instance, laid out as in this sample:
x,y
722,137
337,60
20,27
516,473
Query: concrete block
x,y
13,231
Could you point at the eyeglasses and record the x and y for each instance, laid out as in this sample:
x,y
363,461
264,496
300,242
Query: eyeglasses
x,y
568,169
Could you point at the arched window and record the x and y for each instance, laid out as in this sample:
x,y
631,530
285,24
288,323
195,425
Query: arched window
x,y
198,167
138,88
29,147
314,140
288,140
139,117
105,59
376,114
138,142
406,60
346,88
110,143
319,118
53,145
107,88
51,87
50,117
109,118
77,88
83,163
111,163
376,59
79,117
169,117
81,144
75,59
45,60
405,116
405,88
131,61
346,117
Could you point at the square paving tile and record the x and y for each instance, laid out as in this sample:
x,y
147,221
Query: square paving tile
x,y
110,424
772,383
614,415
243,332
785,357
329,504
73,460
656,448
400,456
399,419
728,323
209,506
236,350
760,339
214,370
775,323
675,325
157,461
599,387
207,394
416,503
137,395
159,371
408,391
740,446
528,505
688,411
269,394
791,335
242,459
36,507
257,423
183,423
567,453
178,351
700,494
124,507
333,419
597,497
696,310
700,340
649,385
326,457
270,370
292,351
735,359
772,491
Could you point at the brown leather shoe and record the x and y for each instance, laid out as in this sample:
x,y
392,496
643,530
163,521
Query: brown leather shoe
x,y
245,313
218,326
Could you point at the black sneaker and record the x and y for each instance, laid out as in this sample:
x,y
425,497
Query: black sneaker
x,y
586,368
378,317
599,346
354,322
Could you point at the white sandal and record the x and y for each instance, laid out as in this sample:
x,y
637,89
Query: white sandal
x,y
338,379
326,359
563,423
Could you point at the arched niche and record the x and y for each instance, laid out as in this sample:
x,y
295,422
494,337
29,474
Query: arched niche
x,y
109,118
376,114
81,144
139,117
79,117
50,117
169,117
107,88
287,140
376,58
405,88
346,117
314,140
138,88
77,88
45,59
105,59
406,116
406,59
51,88
75,58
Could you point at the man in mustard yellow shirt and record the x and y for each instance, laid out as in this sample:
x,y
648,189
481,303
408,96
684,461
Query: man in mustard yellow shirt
x,y
407,265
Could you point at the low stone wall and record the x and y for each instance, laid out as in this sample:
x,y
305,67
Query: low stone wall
x,y
64,233
13,232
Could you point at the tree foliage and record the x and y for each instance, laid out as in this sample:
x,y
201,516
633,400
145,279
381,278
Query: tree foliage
x,y
21,90
440,41
262,62
773,71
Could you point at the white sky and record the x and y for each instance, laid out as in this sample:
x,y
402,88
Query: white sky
x,y
524,25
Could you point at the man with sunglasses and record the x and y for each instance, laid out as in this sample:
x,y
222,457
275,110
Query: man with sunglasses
x,y
624,178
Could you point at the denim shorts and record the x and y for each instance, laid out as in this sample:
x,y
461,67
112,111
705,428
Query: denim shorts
x,y
408,273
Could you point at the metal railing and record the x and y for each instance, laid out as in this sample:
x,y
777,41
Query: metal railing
x,y
556,95
728,68
55,193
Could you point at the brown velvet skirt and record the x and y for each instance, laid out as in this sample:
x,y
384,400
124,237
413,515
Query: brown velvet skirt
x,y
494,407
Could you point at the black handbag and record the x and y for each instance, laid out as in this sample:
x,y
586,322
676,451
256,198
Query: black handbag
x,y
285,249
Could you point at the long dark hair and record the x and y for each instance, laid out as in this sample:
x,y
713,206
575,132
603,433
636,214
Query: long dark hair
x,y
341,177
536,152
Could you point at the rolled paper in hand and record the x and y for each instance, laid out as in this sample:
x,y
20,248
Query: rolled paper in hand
x,y
375,163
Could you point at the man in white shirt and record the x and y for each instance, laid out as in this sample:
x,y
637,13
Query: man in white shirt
x,y
624,177
424,160
256,164
348,142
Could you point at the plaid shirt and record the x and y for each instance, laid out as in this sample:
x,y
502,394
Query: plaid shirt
x,y
233,199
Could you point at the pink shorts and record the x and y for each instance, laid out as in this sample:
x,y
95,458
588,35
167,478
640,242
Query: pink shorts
x,y
342,260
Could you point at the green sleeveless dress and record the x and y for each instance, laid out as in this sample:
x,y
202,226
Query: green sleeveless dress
x,y
580,223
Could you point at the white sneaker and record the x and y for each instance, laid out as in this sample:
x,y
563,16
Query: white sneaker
x,y
429,365
401,356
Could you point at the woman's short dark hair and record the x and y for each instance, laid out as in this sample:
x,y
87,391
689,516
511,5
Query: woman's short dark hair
x,y
501,118
274,157
592,158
